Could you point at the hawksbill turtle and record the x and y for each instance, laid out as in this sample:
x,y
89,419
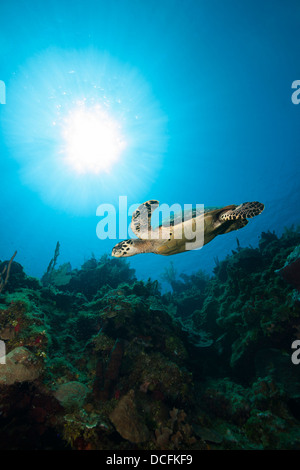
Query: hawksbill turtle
x,y
170,238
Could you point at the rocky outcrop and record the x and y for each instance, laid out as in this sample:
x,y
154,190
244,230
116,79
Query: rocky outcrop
x,y
127,420
20,366
71,394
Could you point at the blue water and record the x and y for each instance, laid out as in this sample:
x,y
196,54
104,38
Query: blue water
x,y
212,84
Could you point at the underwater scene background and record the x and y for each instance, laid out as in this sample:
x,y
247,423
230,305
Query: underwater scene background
x,y
198,104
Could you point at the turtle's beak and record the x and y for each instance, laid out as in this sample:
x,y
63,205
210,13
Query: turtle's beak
x,y
119,250
124,249
116,253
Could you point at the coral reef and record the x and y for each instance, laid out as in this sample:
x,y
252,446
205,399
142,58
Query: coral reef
x,y
127,420
291,269
106,378
20,366
4,274
96,359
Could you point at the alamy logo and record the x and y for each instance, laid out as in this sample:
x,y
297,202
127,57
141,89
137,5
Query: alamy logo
x,y
181,222
295,95
295,356
2,92
2,352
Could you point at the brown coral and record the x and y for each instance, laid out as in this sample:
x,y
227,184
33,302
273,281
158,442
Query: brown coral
x,y
20,366
127,420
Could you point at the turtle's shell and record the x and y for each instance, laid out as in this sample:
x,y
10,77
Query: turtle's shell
x,y
184,215
177,244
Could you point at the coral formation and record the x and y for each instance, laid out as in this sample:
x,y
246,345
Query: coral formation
x,y
20,366
291,269
127,420
96,359
4,274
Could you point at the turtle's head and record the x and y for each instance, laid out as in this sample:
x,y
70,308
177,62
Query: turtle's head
x,y
125,249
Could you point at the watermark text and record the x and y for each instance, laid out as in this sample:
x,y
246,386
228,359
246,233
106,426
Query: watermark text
x,y
2,352
296,94
152,222
2,92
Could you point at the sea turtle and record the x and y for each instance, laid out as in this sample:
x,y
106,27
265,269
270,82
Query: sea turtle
x,y
170,237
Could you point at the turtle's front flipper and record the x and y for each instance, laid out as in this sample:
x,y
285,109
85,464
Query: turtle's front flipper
x,y
247,210
141,219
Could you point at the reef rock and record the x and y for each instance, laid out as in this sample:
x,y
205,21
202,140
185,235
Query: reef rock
x,y
71,394
20,366
127,421
291,270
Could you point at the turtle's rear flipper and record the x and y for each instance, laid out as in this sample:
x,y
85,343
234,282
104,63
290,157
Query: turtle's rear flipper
x,y
247,210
